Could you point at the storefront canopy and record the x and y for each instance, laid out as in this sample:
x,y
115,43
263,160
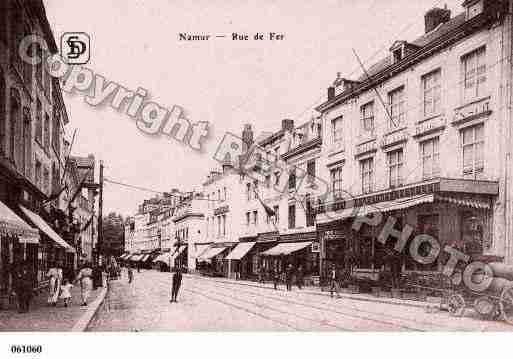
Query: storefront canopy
x,y
11,224
240,250
286,248
164,258
211,253
43,226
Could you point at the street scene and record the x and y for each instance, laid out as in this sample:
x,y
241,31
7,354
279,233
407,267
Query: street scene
x,y
176,176
228,305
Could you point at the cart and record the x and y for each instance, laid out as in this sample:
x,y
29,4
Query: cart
x,y
494,303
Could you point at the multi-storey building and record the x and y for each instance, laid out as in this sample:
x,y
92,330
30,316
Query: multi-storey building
x,y
423,137
32,119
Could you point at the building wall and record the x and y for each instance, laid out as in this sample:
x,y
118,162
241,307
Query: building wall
x,y
345,152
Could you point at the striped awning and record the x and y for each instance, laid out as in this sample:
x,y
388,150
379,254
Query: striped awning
x,y
211,253
240,250
164,258
46,229
286,248
11,224
475,203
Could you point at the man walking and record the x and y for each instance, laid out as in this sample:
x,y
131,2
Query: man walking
x,y
23,283
334,286
130,273
175,285
289,272
300,277
275,274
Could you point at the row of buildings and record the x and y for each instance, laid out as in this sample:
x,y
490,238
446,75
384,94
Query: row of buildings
x,y
46,195
424,136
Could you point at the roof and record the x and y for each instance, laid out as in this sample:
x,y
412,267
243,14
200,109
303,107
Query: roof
x,y
420,42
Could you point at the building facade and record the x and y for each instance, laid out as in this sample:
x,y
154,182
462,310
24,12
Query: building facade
x,y
422,139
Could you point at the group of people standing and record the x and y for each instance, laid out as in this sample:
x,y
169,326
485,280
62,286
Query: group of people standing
x,y
59,285
289,276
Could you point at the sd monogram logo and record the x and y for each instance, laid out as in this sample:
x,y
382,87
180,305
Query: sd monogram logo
x,y
75,48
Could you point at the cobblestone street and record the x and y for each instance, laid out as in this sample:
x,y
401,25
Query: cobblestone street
x,y
208,304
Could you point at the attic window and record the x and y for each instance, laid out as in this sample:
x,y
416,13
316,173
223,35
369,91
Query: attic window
x,y
474,8
398,54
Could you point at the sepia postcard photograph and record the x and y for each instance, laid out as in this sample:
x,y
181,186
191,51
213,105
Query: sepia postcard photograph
x,y
274,166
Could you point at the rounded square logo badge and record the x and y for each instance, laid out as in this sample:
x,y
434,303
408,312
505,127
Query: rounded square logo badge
x,y
75,48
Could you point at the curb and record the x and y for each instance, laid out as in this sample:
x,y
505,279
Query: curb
x,y
343,295
92,310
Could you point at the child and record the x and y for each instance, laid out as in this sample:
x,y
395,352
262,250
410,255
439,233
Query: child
x,y
66,292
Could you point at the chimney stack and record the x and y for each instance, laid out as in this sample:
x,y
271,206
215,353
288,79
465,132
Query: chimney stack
x,y
287,125
247,138
435,17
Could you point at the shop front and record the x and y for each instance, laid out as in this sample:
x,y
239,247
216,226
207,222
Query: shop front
x,y
240,261
353,240
212,262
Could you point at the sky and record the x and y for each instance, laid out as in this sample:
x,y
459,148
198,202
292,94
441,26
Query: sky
x,y
224,82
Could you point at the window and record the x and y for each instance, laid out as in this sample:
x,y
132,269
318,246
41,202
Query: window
x,y
474,72
292,216
276,210
2,107
367,117
292,179
472,139
255,186
277,178
27,142
39,122
47,132
430,158
15,128
247,218
395,168
310,171
225,194
310,213
56,130
46,180
268,181
427,224
224,225
397,114
255,217
3,22
432,93
336,182
398,54
367,174
248,191
337,129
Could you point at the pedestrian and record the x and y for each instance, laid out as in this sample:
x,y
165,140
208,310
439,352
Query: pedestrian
x,y
289,272
334,286
300,277
138,264
23,287
130,273
275,274
176,283
261,274
84,278
66,292
55,280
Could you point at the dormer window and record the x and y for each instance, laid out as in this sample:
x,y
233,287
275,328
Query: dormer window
x,y
398,55
473,8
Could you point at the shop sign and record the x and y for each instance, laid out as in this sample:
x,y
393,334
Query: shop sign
x,y
316,247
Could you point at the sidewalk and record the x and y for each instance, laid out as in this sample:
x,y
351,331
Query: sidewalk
x,y
42,317
317,291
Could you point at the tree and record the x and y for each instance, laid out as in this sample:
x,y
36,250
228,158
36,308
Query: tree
x,y
113,235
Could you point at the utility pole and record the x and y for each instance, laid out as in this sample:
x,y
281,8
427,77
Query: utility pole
x,y
99,243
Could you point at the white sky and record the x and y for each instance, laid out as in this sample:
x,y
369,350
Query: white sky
x,y
226,83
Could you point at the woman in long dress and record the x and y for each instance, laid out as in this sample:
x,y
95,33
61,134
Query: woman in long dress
x,y
86,284
54,288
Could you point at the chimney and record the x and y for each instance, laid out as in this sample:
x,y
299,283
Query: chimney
x,y
247,138
287,125
435,17
331,92
227,163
